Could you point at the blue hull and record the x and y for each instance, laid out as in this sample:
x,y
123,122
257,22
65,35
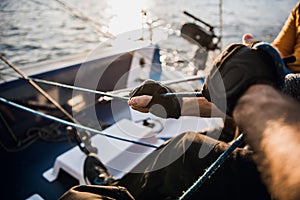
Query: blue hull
x,y
22,169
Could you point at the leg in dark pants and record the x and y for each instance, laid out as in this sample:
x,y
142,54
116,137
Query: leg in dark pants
x,y
238,178
173,168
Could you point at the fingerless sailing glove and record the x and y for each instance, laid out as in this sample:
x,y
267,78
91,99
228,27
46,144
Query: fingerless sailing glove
x,y
164,107
237,68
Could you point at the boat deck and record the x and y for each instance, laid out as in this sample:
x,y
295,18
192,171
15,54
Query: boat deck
x,y
22,172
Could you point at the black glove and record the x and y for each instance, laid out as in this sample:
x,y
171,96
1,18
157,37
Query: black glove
x,y
237,68
165,107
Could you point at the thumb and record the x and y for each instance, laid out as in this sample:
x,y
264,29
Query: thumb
x,y
139,101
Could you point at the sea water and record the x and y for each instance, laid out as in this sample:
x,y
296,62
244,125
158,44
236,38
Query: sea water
x,y
41,30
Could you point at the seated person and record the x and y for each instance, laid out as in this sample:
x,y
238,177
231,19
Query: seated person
x,y
173,168
287,42
271,123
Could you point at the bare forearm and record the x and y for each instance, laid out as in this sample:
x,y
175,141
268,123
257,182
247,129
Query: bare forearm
x,y
272,124
200,107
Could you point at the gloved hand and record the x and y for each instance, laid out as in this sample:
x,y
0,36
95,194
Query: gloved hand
x,y
164,107
237,68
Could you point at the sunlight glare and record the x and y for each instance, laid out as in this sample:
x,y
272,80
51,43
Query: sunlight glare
x,y
127,15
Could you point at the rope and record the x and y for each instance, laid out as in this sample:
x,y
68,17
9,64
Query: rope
x,y
213,168
78,88
167,82
175,94
49,98
51,133
55,103
73,124
183,94
10,131
38,88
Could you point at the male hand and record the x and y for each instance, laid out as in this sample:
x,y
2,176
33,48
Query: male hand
x,y
237,68
147,98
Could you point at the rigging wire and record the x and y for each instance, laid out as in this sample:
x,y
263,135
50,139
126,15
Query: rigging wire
x,y
38,88
167,82
75,124
175,94
107,94
79,140
79,126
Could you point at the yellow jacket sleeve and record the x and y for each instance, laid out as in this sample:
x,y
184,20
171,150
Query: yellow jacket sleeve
x,y
287,41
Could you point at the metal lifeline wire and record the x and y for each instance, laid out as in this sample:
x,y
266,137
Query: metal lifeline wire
x,y
79,126
107,94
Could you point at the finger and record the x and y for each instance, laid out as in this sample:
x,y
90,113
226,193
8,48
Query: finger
x,y
247,38
143,110
140,101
